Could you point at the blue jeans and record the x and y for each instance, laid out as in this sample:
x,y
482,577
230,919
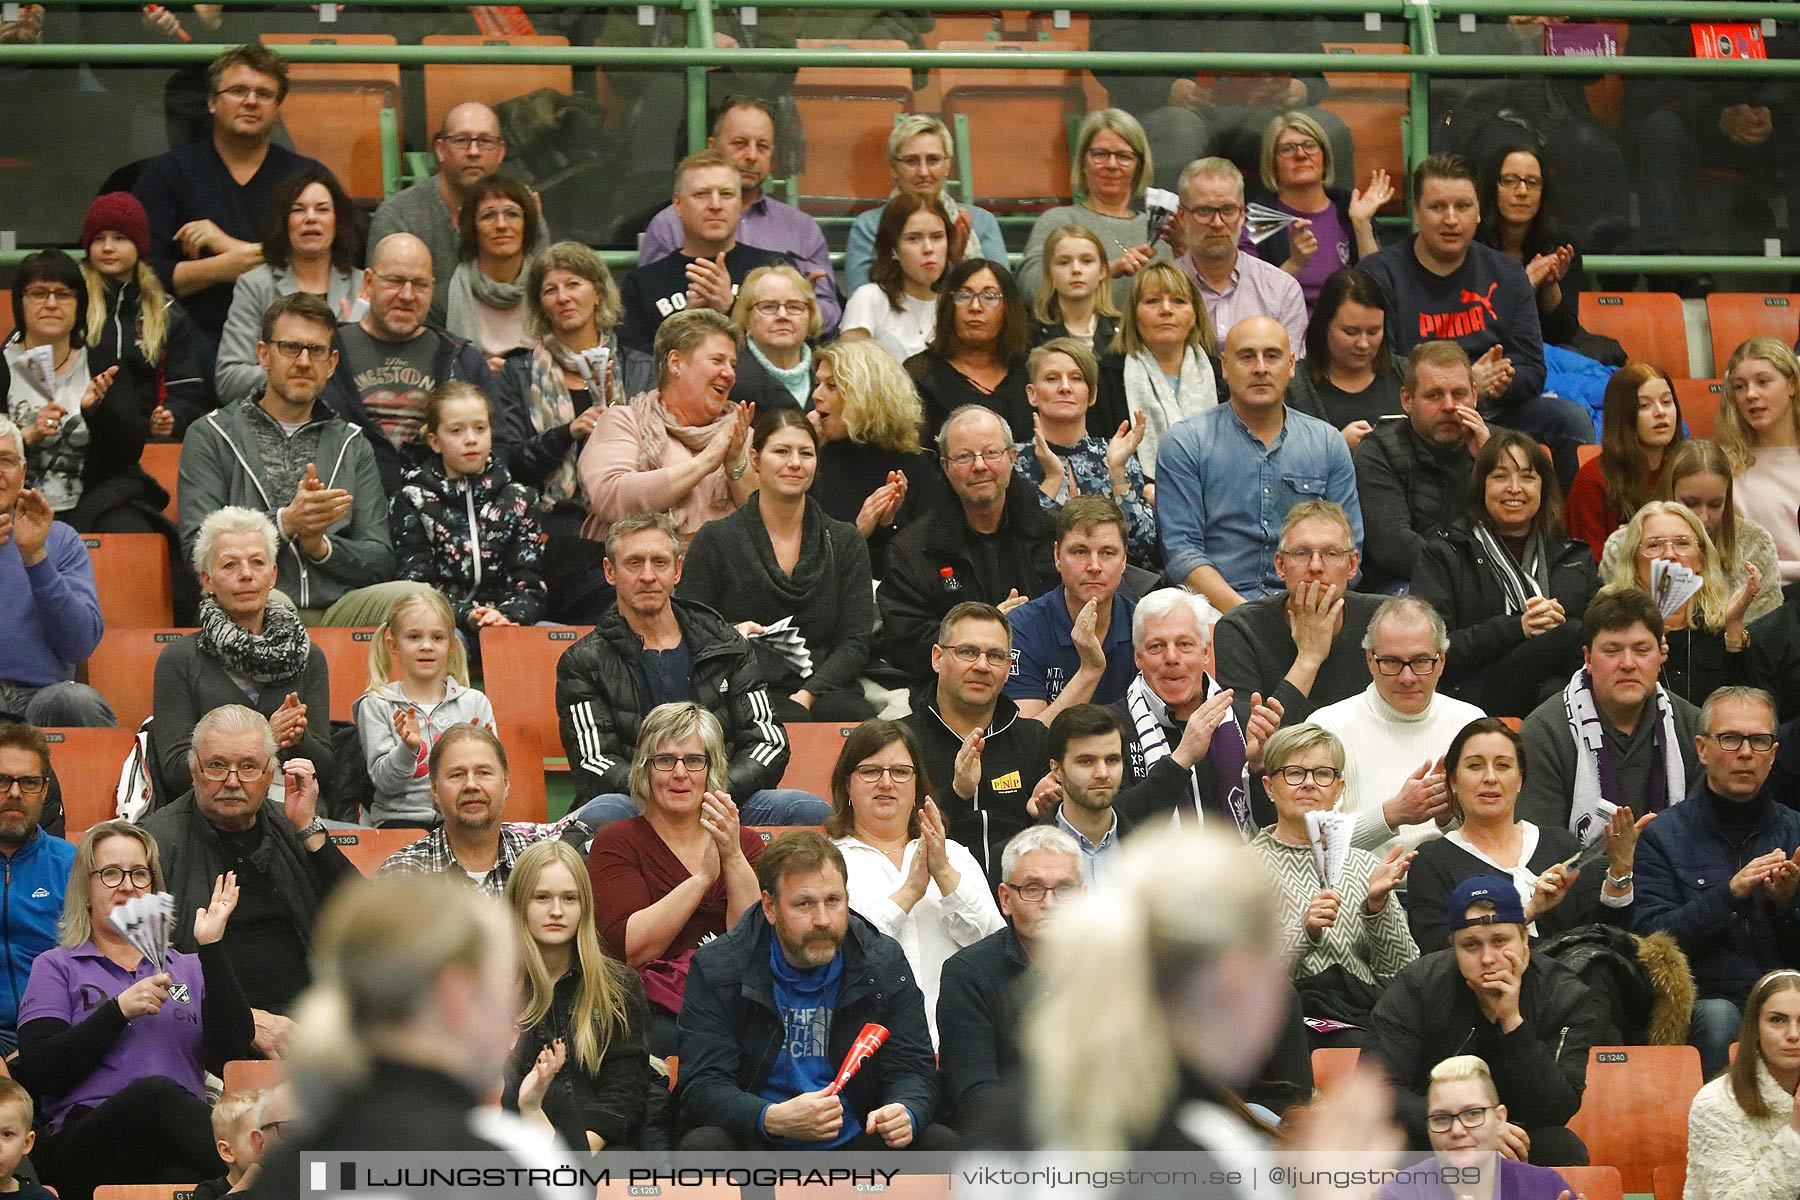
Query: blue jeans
x,y
64,705
771,806
1711,1030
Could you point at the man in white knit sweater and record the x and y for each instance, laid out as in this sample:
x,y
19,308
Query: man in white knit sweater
x,y
1395,730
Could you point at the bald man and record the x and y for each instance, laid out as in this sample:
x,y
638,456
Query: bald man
x,y
389,361
468,149
1226,479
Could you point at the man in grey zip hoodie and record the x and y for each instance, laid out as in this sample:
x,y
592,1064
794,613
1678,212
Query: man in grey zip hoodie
x,y
283,454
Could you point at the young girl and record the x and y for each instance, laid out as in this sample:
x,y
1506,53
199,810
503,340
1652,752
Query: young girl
x,y
462,525
1074,296
1759,430
400,719
898,306
133,322
1639,425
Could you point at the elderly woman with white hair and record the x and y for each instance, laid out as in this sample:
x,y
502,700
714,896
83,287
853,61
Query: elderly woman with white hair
x,y
921,155
247,651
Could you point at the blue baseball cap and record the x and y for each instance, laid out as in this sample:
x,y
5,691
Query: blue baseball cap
x,y
1508,910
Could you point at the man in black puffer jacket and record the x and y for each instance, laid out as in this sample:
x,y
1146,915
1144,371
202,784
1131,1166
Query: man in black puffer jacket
x,y
652,649
1529,1017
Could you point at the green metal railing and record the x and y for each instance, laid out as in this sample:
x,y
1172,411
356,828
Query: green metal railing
x,y
1425,61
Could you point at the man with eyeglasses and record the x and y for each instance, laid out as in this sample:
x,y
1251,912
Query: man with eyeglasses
x,y
1530,1017
286,865
1443,284
705,271
468,149
986,539
287,455
37,866
1227,478
1412,475
390,361
1721,870
984,756
208,203
744,131
1395,731
984,987
1235,285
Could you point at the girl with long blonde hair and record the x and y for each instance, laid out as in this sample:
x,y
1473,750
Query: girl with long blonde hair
x,y
1759,430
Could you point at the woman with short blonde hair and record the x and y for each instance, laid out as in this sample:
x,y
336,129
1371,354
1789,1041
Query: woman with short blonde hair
x,y
779,314
921,155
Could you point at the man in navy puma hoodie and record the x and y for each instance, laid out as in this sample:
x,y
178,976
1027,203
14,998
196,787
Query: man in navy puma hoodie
x,y
1441,283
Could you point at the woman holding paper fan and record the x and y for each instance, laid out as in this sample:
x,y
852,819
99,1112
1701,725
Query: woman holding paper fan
x,y
1703,625
545,406
1367,937
1340,223
905,875
116,1046
1486,768
781,560
1508,582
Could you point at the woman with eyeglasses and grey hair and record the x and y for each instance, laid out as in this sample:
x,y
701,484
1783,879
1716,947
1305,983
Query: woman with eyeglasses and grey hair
x,y
906,876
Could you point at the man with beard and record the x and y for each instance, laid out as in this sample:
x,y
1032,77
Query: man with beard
x,y
774,1006
1087,760
285,863
37,867
468,785
390,361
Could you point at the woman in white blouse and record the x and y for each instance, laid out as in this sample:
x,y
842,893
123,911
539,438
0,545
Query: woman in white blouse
x,y
1743,1128
907,878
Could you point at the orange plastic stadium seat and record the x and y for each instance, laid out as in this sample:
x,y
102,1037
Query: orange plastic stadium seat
x,y
900,1187
87,764
450,84
1594,1183
1372,105
1736,317
519,675
1669,1182
526,797
248,1074
1635,1109
162,462
1018,124
6,314
813,749
369,848
846,113
123,669
346,653
1332,1063
1650,326
1584,454
1699,400
131,578
145,1191
333,110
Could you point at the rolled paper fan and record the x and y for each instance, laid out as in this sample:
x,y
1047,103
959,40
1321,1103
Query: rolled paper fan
x,y
1673,585
1263,222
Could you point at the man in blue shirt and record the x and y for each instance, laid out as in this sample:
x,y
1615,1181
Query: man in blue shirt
x,y
36,870
772,1009
1226,479
1073,643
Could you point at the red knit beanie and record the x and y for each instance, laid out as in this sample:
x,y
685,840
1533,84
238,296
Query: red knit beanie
x,y
119,211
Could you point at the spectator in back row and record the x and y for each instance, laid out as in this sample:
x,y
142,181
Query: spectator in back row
x,y
1333,226
311,245
288,456
1235,285
391,360
1230,476
468,149
208,202
37,863
653,649
744,131
56,622
499,228
921,155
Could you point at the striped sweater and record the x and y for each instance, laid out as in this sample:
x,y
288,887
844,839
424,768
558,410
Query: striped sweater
x,y
1373,948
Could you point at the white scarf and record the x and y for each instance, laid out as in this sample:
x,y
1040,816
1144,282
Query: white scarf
x,y
1147,392
1149,715
1589,810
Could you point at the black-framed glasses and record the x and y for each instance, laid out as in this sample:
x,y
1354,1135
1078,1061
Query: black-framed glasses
x,y
987,299
966,459
1731,743
114,877
665,763
240,93
486,143
870,773
219,772
1034,893
313,350
968,652
1424,664
1322,776
1206,214
47,295
1470,1118
29,785
1125,158
1289,149
1531,183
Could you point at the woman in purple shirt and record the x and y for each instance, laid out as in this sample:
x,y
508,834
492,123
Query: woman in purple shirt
x,y
1475,1151
114,1048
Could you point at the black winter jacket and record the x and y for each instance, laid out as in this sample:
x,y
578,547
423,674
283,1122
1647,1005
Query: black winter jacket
x,y
476,540
982,992
731,1031
1409,491
1429,1014
602,699
1015,757
181,379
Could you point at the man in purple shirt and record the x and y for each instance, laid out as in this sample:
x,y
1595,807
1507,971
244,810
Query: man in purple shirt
x,y
1233,284
744,130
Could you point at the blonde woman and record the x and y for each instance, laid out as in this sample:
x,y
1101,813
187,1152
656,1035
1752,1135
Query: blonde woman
x,y
1160,361
871,461
1073,297
1759,430
921,155
580,1005
1744,1127
1464,1120
1707,644
779,314
1335,226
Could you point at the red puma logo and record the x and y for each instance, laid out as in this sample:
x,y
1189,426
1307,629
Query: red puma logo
x,y
1485,299
1461,324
